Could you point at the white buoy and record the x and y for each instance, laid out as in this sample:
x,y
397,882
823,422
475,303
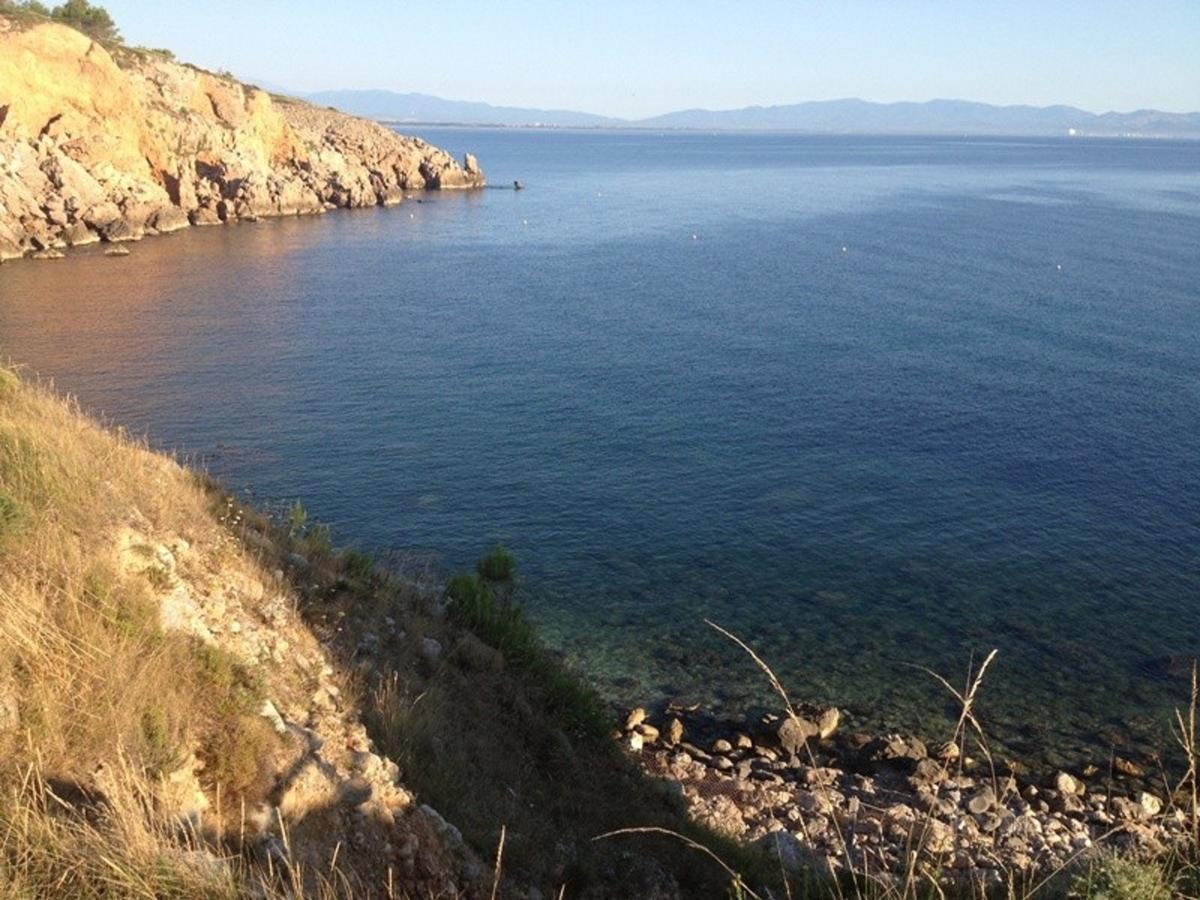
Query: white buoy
x,y
845,249
695,238
1059,267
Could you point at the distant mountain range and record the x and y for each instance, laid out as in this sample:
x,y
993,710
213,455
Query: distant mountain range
x,y
819,117
393,107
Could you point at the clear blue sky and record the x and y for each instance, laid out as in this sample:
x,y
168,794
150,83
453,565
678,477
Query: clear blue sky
x,y
634,59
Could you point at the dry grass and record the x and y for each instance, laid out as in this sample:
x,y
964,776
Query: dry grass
x,y
89,673
53,844
91,670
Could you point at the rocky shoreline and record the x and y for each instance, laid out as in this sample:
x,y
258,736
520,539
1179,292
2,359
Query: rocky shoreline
x,y
822,799
110,144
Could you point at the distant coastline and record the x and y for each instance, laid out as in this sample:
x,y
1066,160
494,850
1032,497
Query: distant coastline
x,y
644,129
838,117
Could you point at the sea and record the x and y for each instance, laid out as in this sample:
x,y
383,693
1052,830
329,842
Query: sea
x,y
877,405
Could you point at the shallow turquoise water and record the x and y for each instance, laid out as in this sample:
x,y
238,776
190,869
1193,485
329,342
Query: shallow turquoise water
x,y
833,393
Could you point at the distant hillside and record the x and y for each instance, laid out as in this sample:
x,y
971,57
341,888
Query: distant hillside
x,y
851,116
933,117
394,107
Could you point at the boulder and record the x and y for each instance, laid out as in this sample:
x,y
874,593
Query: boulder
x,y
77,235
10,243
168,219
674,731
204,215
982,801
794,732
828,722
1150,805
1065,783
431,650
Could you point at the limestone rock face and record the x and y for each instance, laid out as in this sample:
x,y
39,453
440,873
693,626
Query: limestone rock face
x,y
100,145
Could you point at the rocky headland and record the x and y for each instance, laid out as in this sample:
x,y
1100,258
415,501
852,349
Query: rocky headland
x,y
109,143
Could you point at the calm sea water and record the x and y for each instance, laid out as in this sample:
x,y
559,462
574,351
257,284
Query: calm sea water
x,y
872,403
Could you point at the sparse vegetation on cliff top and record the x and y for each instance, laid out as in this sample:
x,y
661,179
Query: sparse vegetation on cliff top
x,y
92,19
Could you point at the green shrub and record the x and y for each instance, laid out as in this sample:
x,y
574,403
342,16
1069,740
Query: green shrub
x,y
91,20
237,742
498,566
1114,878
232,688
30,7
237,758
356,564
160,752
23,470
297,519
317,541
503,625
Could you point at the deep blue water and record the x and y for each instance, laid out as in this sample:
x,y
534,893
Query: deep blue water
x,y
834,393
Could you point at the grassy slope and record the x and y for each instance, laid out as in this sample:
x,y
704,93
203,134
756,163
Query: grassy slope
x,y
489,741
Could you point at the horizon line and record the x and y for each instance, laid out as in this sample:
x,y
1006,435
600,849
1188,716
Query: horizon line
x,y
709,109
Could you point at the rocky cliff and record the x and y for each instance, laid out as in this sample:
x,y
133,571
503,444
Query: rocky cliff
x,y
111,144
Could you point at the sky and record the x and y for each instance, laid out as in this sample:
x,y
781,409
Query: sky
x,y
637,59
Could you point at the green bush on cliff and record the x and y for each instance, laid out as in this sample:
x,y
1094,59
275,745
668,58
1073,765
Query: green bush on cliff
x,y
498,566
502,624
29,6
89,18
